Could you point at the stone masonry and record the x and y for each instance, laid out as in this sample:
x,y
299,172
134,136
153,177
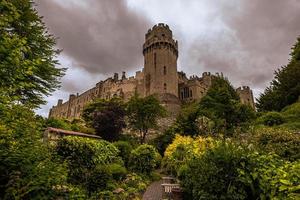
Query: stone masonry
x,y
158,77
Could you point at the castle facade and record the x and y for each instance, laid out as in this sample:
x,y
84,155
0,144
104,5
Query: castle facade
x,y
158,77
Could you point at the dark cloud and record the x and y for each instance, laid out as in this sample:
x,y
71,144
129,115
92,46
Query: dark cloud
x,y
100,36
256,41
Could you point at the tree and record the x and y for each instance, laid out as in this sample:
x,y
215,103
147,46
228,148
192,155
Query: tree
x,y
28,168
284,89
222,104
107,117
27,55
143,114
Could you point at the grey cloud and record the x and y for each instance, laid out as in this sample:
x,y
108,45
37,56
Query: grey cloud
x,y
101,37
258,40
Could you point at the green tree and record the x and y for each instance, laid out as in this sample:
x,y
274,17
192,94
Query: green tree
x,y
28,169
143,114
222,105
285,87
107,117
27,55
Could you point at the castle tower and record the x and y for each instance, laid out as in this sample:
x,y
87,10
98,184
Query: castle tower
x,y
246,96
160,61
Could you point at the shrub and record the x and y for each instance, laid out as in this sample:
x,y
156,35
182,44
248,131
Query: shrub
x,y
283,142
58,123
117,171
98,178
124,150
182,149
162,141
271,119
84,156
214,174
269,177
144,159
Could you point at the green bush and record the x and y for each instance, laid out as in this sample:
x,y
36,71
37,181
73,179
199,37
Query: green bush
x,y
214,175
98,178
85,158
283,142
229,171
267,176
271,119
124,150
117,171
162,141
58,123
144,159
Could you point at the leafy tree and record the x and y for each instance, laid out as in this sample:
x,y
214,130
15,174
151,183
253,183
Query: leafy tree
x,y
28,169
144,159
143,114
222,105
285,87
107,117
27,55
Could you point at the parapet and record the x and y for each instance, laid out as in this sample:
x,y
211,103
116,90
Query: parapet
x,y
59,102
206,74
243,88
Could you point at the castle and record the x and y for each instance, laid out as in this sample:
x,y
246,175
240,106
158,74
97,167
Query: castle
x,y
158,77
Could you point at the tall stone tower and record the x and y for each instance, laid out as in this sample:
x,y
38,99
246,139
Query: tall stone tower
x,y
160,61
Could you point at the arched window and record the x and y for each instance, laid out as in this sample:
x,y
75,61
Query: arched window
x,y
191,93
165,70
165,86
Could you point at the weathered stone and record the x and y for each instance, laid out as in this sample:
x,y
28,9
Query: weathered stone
x,y
159,76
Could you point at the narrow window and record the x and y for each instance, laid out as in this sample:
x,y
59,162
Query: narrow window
x,y
165,86
191,93
155,60
165,70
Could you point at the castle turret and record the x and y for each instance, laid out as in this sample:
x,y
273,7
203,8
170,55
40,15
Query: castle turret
x,y
246,96
160,61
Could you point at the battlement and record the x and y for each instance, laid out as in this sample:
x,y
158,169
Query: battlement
x,y
206,74
244,88
160,27
160,36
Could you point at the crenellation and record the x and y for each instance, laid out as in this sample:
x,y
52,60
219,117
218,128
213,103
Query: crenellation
x,y
159,76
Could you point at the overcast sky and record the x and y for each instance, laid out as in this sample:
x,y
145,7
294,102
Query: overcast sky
x,y
245,39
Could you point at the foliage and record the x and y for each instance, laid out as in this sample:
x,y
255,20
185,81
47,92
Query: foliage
x,y
143,114
291,116
271,119
86,157
106,117
58,123
144,159
222,105
186,121
124,150
162,141
27,55
183,149
117,171
214,175
98,179
230,171
269,177
283,142
28,169
284,89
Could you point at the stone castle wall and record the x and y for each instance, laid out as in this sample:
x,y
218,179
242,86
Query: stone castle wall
x,y
159,76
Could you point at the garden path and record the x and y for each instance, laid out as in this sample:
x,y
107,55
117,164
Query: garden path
x,y
154,191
